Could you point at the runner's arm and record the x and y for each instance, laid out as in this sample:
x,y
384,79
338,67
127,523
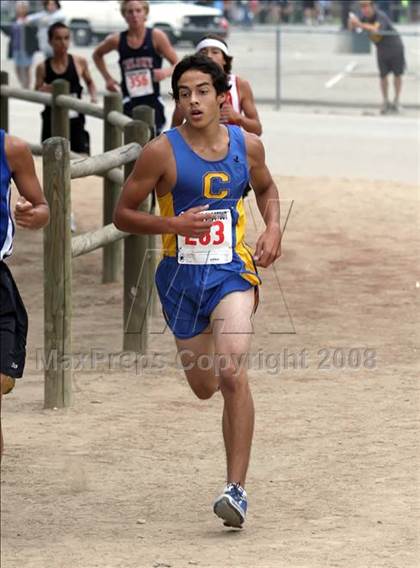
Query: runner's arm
x,y
268,247
249,120
31,210
40,85
164,47
149,169
87,77
109,44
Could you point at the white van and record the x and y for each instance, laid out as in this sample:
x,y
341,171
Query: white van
x,y
182,21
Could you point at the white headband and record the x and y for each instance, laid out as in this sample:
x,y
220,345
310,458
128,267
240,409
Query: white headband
x,y
210,42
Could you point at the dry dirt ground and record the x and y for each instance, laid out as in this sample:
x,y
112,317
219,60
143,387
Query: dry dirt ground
x,y
126,477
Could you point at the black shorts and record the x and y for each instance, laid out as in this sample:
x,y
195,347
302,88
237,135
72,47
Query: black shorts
x,y
158,107
392,63
79,137
13,326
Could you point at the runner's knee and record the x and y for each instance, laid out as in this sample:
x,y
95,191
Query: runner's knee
x,y
232,378
6,384
204,392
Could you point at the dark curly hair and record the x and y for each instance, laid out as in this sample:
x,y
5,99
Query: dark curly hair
x,y
228,58
202,63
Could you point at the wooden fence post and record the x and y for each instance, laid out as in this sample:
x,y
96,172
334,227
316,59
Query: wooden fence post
x,y
147,115
112,253
57,274
60,124
136,277
4,103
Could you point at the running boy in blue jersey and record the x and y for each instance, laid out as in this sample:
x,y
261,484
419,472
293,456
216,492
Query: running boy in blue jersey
x,y
207,280
31,212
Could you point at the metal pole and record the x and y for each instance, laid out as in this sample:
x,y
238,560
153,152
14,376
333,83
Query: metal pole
x,y
278,68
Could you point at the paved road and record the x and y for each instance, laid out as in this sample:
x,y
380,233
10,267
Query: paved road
x,y
303,143
339,145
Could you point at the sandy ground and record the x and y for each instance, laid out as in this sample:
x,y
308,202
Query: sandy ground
x,y
126,477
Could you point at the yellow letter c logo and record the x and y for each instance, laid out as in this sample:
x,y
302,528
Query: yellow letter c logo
x,y
208,178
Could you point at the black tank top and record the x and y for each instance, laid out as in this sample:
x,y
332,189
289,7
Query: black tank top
x,y
79,138
70,75
136,67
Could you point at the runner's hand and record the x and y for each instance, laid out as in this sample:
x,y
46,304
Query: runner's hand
x,y
227,114
25,214
112,85
159,75
45,88
193,222
268,247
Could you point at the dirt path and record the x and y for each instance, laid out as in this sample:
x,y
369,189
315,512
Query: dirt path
x,y
126,477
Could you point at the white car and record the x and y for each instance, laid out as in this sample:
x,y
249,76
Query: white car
x,y
180,20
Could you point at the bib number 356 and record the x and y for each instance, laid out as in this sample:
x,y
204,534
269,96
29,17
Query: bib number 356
x,y
139,82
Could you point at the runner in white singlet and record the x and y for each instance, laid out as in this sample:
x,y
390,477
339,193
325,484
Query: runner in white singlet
x,y
240,106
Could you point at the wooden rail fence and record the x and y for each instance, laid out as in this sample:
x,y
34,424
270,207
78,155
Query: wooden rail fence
x,y
137,262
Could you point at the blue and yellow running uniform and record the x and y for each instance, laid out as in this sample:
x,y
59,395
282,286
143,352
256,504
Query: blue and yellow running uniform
x,y
195,274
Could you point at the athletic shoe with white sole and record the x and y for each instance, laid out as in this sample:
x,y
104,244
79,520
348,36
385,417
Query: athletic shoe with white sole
x,y
231,506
